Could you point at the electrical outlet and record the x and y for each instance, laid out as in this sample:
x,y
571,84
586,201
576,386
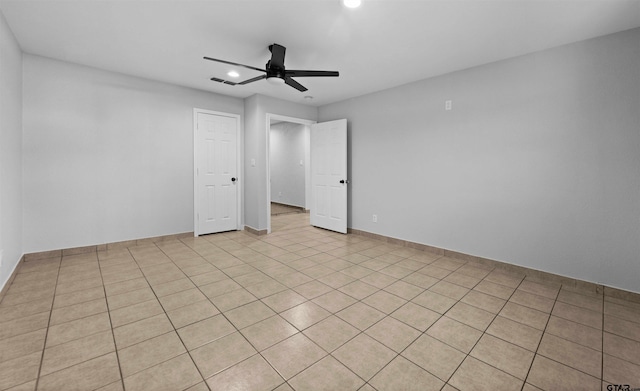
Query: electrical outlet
x,y
375,218
447,105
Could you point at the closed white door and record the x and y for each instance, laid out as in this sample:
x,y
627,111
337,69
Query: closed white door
x,y
216,180
329,175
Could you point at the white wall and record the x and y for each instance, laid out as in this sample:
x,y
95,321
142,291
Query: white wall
x,y
256,108
10,152
287,162
538,163
107,157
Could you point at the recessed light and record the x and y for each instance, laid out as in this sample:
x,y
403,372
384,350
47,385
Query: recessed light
x,y
233,74
308,97
352,3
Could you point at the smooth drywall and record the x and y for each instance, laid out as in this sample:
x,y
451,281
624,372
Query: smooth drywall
x,y
256,108
537,164
107,157
287,163
10,152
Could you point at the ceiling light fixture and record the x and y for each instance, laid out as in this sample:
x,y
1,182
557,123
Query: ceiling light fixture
x,y
275,81
233,74
352,3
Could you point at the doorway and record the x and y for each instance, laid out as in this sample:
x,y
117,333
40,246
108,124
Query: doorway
x,y
289,161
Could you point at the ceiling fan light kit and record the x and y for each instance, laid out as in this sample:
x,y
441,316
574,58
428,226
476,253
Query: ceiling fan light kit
x,y
275,71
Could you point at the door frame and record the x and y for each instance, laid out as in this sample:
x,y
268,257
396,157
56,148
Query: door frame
x,y
239,167
283,118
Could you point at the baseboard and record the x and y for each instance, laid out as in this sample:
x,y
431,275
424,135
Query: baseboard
x,y
251,230
12,276
103,247
572,283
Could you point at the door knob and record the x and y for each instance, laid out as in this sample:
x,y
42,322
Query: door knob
x,y
233,179
343,181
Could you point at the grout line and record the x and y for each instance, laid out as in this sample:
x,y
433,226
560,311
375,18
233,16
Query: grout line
x,y
44,344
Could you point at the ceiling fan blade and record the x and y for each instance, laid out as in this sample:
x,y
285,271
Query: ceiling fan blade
x,y
252,80
277,55
235,63
294,84
306,73
231,83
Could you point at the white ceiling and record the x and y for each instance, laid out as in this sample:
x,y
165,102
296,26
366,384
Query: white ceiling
x,y
382,44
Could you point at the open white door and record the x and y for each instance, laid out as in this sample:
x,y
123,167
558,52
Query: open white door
x,y
329,175
216,184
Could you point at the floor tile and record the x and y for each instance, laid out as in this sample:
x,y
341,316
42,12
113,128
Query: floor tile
x,y
77,329
503,355
312,289
284,300
436,357
404,290
401,374
253,373
87,375
268,332
22,345
531,300
497,290
71,353
326,375
540,289
619,371
24,325
623,348
621,327
184,316
358,289
593,303
484,301
571,354
305,315
450,290
393,333
364,356
434,301
575,332
334,301
19,370
148,353
178,373
221,354
516,333
141,330
384,302
136,312
293,355
331,333
551,375
77,311
21,310
471,316
416,316
454,333
360,315
181,299
476,375
525,315
578,315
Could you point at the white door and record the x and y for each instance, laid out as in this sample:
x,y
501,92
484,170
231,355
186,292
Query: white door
x,y
329,175
216,180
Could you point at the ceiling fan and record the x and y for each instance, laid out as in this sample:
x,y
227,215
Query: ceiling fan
x,y
275,71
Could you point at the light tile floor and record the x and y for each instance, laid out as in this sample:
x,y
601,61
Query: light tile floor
x,y
304,309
